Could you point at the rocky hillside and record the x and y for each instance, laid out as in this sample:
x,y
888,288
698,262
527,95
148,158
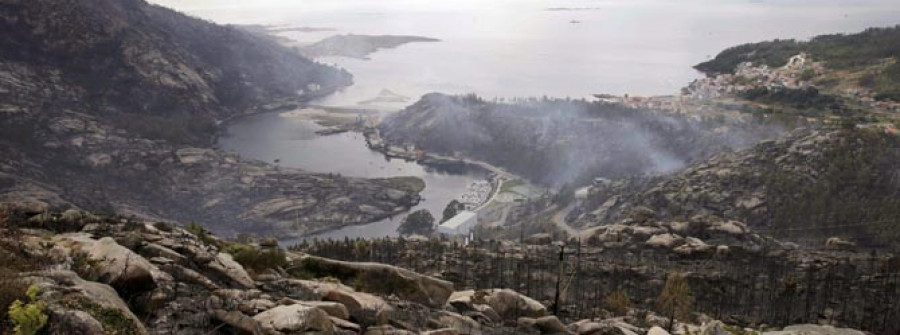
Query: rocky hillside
x,y
145,68
735,275
806,187
113,106
91,274
555,141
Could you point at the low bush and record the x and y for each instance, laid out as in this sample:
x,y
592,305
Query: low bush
x,y
201,233
254,259
12,263
28,317
617,302
114,321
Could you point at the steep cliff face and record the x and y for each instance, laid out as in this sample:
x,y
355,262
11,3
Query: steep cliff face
x,y
112,106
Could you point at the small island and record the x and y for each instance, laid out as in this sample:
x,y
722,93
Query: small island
x,y
358,46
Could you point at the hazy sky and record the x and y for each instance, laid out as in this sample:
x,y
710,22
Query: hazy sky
x,y
518,48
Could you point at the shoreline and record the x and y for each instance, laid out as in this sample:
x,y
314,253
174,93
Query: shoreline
x,y
351,122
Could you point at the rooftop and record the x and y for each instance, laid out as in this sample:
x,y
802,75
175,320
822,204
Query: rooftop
x,y
459,219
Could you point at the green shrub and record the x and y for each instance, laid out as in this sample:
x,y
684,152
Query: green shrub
x,y
799,98
254,259
235,248
418,222
85,267
12,263
201,233
114,321
11,289
838,51
29,317
739,331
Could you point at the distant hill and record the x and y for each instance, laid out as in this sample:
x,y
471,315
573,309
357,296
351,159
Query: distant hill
x,y
358,46
557,141
874,47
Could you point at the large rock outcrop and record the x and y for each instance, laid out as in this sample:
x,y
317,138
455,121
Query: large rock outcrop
x,y
508,304
383,279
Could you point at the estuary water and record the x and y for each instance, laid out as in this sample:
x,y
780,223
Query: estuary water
x,y
520,48
504,48
293,142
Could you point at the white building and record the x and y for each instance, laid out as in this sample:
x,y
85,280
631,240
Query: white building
x,y
460,224
583,193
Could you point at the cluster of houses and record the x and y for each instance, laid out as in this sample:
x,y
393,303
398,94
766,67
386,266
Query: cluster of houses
x,y
663,102
867,98
476,194
795,74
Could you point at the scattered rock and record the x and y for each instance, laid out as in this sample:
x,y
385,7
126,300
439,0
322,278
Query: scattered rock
x,y
225,265
63,321
363,307
543,325
664,240
296,319
715,327
837,243
386,330
507,303
461,324
810,329
656,330
239,321
64,290
116,265
334,309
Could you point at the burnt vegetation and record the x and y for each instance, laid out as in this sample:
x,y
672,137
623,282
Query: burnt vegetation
x,y
152,70
743,288
554,141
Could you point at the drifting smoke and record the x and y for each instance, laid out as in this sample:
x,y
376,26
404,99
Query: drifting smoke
x,y
559,141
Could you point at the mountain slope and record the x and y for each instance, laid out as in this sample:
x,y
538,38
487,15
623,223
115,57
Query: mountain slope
x,y
136,62
558,141
806,187
113,106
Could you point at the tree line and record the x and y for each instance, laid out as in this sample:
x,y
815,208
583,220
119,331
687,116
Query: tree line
x,y
743,288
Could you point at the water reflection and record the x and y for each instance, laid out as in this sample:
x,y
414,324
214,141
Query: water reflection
x,y
294,143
